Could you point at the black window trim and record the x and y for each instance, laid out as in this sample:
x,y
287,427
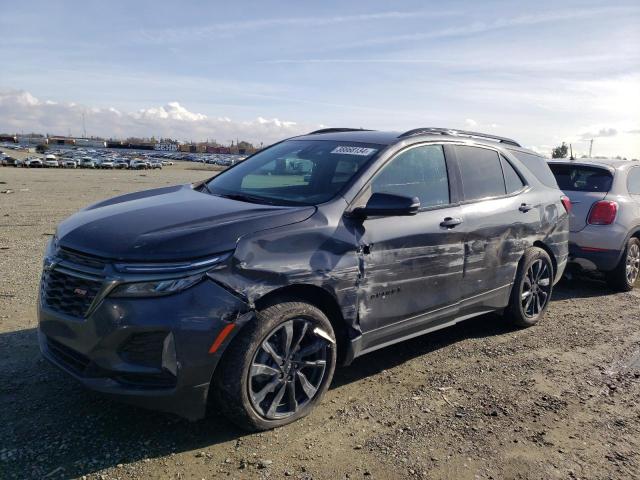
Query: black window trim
x,y
452,175
526,187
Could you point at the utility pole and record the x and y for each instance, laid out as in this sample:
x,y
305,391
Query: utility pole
x,y
571,157
590,147
84,127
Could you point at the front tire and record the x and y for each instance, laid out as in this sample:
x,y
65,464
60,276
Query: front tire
x,y
624,276
532,289
277,368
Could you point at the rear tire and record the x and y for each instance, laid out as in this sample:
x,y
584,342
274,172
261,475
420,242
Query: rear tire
x,y
532,289
281,353
624,276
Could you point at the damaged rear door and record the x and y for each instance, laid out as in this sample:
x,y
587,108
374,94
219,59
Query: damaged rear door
x,y
411,266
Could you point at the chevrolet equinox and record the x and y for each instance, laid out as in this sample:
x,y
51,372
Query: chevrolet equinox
x,y
245,291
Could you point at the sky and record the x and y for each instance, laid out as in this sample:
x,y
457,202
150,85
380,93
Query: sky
x,y
540,72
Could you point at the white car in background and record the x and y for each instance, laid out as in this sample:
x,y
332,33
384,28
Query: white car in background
x,y
51,161
69,164
106,164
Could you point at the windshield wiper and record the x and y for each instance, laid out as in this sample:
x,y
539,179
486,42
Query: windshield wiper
x,y
244,198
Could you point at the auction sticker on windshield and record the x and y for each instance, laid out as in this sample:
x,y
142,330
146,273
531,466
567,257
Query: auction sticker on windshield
x,y
348,150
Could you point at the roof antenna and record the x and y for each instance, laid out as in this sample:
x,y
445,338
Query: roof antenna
x,y
571,157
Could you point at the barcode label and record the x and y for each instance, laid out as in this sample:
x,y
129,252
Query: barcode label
x,y
347,150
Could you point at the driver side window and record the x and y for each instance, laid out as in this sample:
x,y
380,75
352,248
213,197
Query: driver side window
x,y
417,172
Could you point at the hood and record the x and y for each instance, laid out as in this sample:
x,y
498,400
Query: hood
x,y
171,223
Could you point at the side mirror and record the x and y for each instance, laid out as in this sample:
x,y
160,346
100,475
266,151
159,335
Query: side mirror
x,y
387,205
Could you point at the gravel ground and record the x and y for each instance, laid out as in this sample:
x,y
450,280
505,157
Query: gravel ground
x,y
478,400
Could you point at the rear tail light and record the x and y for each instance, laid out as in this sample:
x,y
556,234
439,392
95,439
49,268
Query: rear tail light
x,y
566,203
603,213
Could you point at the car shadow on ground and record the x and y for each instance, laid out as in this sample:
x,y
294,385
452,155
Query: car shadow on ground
x,y
582,286
55,427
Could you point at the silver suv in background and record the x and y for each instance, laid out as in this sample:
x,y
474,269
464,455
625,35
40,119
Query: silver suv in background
x,y
605,216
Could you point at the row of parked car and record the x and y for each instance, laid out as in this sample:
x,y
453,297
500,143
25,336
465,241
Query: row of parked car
x,y
51,161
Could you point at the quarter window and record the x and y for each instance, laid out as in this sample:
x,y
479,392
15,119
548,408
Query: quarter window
x,y
537,165
481,173
512,180
418,172
633,181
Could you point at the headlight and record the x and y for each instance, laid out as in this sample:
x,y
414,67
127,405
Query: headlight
x,y
165,268
156,288
52,246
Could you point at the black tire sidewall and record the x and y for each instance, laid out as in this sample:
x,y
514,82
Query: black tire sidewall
x,y
231,379
618,277
515,309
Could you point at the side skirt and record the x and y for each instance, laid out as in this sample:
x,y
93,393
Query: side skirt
x,y
492,301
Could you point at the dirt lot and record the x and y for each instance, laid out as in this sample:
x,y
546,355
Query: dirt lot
x,y
479,400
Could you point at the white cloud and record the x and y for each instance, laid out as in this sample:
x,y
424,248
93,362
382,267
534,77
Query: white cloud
x,y
470,123
21,111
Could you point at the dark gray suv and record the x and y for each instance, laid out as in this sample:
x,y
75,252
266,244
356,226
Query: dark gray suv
x,y
246,290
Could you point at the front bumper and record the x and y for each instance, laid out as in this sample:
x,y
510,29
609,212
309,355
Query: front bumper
x,y
152,352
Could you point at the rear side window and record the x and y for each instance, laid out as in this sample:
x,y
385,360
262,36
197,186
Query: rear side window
x,y
633,181
538,166
582,178
418,172
512,180
481,173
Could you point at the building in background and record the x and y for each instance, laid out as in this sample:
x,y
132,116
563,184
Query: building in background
x,y
166,147
31,139
90,142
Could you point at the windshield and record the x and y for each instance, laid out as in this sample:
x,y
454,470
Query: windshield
x,y
582,178
295,172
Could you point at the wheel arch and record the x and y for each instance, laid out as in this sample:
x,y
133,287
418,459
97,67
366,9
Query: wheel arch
x,y
545,247
318,297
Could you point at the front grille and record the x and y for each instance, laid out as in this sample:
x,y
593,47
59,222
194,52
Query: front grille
x,y
68,294
144,348
81,259
67,356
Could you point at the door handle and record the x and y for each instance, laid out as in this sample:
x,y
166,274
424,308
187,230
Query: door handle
x,y
450,222
525,207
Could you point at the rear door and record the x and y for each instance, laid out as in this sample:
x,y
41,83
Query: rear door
x,y
500,212
584,185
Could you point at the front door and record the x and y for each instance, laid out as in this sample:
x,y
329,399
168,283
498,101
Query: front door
x,y
411,266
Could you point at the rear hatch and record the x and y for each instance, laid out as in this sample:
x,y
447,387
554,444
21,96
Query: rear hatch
x,y
584,185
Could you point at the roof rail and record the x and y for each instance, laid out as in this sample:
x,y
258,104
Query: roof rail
x,y
460,133
337,130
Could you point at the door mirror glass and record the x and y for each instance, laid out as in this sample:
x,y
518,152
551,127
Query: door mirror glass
x,y
387,205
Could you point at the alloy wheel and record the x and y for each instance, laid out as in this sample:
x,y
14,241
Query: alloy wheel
x,y
633,263
288,368
536,288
